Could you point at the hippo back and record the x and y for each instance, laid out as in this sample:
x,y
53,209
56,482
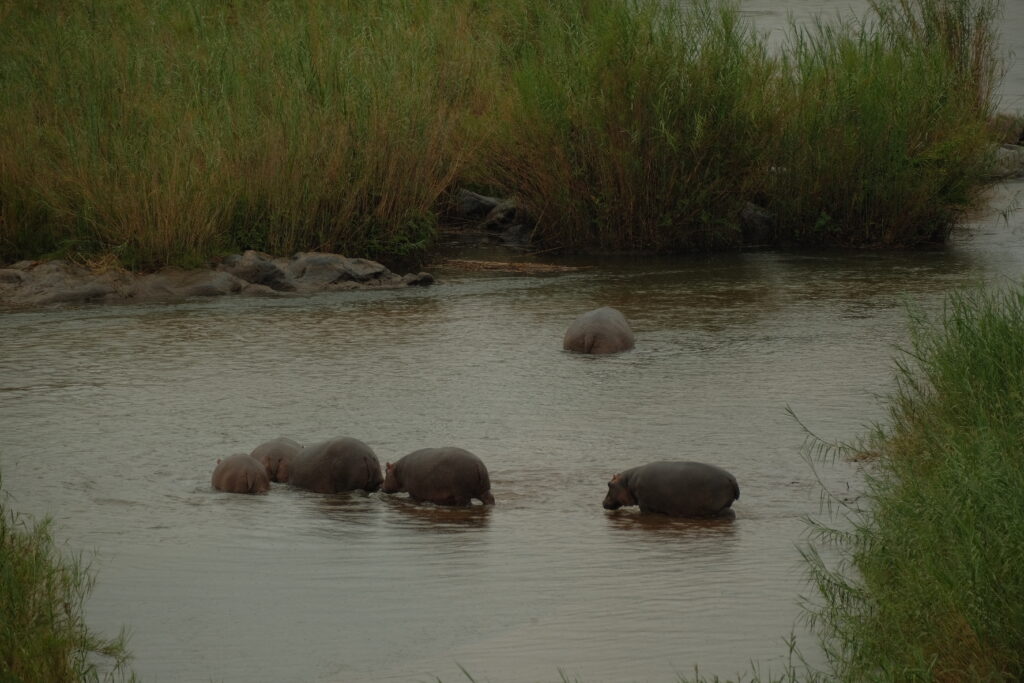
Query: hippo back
x,y
603,330
271,453
683,489
240,473
446,476
342,464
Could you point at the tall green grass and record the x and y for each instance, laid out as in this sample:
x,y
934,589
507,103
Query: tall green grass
x,y
166,131
169,132
884,140
929,586
920,578
637,125
43,636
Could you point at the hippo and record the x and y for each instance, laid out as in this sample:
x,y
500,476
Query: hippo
x,y
240,473
603,330
444,476
272,453
340,464
679,489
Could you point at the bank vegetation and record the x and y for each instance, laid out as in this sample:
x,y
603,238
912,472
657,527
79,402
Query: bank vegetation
x,y
43,588
930,586
919,579
171,132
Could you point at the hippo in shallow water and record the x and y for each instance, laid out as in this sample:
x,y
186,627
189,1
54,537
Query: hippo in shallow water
x,y
240,473
272,453
603,330
679,489
341,464
444,476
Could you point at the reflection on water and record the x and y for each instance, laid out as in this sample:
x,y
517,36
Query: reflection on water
x,y
662,527
438,518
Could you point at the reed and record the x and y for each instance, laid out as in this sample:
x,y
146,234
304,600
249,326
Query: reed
x,y
170,132
636,125
929,586
43,636
884,139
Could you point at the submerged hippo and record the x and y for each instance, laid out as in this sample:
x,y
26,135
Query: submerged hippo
x,y
603,330
240,473
444,476
341,464
679,489
272,453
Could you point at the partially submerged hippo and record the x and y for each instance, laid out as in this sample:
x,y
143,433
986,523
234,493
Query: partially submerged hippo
x,y
679,489
240,473
272,453
444,476
603,330
341,464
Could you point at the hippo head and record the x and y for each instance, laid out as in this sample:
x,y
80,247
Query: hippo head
x,y
391,484
618,494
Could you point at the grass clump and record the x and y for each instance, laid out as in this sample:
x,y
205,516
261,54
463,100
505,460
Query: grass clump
x,y
43,637
930,586
884,140
170,132
636,125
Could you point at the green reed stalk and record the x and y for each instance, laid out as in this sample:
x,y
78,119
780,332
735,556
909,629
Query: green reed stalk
x,y
43,636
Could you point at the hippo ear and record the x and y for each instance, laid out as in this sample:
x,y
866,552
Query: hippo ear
x,y
218,461
616,479
389,466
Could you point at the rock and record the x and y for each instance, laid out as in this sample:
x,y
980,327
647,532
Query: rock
x,y
182,284
757,225
418,280
259,269
32,283
1008,163
72,295
11,276
315,270
472,205
252,289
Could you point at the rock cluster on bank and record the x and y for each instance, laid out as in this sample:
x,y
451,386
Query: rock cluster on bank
x,y
41,283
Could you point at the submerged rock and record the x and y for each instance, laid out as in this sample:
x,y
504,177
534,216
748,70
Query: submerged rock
x,y
35,283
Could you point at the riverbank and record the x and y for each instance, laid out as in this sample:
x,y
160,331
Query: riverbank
x,y
200,129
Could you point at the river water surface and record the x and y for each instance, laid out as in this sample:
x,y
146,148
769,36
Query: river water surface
x,y
113,418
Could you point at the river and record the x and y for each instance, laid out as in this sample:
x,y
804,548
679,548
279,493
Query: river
x,y
113,418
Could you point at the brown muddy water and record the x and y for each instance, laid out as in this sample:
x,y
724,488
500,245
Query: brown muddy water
x,y
113,417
